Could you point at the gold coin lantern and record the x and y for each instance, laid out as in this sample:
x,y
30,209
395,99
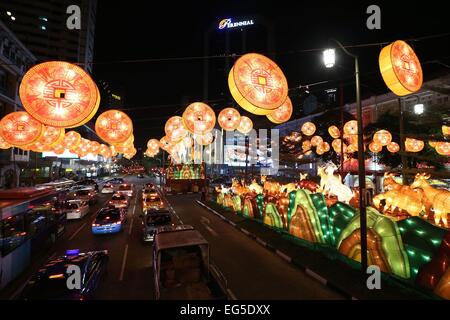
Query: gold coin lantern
x,y
382,137
334,132
59,149
316,141
337,145
114,126
40,147
351,127
245,125
443,148
52,136
282,113
413,145
153,145
257,84
175,129
105,151
199,118
308,128
204,139
71,140
229,119
393,147
20,129
165,143
4,144
375,147
94,147
446,130
59,94
400,68
306,145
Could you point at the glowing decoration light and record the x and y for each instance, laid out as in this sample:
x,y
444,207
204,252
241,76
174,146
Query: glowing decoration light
x,y
336,144
188,142
257,84
245,125
113,150
306,145
165,143
94,147
413,145
4,144
443,148
71,140
39,147
334,132
153,145
282,113
114,126
105,151
308,128
19,128
175,129
229,119
393,147
58,149
59,94
446,130
382,137
351,127
205,139
316,141
375,147
199,118
400,68
52,136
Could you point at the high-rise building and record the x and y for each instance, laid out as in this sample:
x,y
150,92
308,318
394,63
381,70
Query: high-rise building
x,y
42,27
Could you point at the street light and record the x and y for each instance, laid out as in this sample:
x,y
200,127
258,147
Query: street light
x,y
329,61
419,108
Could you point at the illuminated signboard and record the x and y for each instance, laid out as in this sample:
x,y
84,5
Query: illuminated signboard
x,y
229,24
69,155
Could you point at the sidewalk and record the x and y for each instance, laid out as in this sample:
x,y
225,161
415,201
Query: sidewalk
x,y
326,266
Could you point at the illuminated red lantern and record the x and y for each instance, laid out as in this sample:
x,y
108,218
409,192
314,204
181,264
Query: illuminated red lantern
x,y
337,145
446,130
257,84
308,128
175,129
351,127
40,147
165,143
114,126
113,150
59,94
400,68
334,132
443,148
283,113
414,145
306,145
245,125
382,137
229,119
375,147
393,147
94,148
52,136
71,140
105,151
20,129
199,118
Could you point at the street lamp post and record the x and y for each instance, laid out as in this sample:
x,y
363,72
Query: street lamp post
x,y
329,61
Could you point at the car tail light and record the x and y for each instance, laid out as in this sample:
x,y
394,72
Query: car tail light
x,y
95,225
110,202
161,203
78,210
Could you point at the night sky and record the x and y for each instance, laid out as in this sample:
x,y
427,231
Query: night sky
x,y
156,90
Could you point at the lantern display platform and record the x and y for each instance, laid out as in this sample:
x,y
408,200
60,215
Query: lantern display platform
x,y
186,177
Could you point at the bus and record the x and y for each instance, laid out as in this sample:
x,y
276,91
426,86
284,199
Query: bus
x,y
31,219
58,184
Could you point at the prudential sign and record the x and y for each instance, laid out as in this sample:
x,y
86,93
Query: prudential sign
x,y
229,24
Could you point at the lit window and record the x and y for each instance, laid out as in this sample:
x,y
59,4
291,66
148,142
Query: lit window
x,y
13,18
43,28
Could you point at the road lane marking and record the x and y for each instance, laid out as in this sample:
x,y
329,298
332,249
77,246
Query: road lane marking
x,y
211,231
78,230
316,276
131,226
124,260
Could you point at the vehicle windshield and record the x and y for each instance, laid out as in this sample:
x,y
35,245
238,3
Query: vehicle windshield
x,y
152,199
118,197
125,188
71,206
82,193
158,219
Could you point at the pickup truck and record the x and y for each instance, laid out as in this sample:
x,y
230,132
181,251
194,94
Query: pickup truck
x,y
182,270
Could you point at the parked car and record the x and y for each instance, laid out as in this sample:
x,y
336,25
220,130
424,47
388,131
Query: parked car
x,y
119,200
109,220
153,219
108,188
76,209
181,266
126,189
50,283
